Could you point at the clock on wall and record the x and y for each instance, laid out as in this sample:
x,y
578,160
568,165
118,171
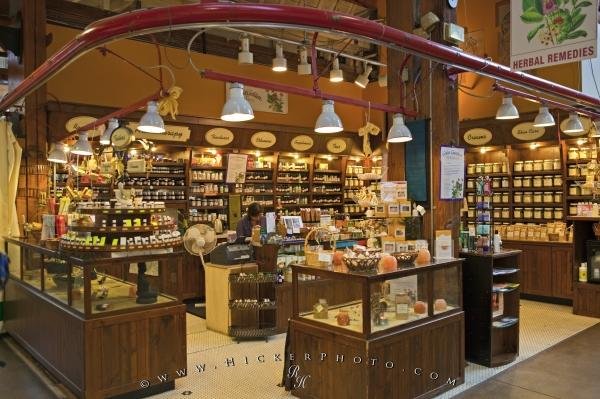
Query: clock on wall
x,y
453,3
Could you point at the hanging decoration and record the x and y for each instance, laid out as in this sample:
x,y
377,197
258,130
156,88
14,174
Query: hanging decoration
x,y
169,105
366,131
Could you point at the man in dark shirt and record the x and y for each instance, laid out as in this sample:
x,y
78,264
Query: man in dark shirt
x,y
253,217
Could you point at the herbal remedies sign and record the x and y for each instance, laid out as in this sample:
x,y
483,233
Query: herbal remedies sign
x,y
551,32
452,174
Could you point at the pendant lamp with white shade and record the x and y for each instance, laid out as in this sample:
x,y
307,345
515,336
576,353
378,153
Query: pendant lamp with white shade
x,y
151,121
237,108
328,121
573,125
112,125
82,146
544,118
399,132
57,153
507,109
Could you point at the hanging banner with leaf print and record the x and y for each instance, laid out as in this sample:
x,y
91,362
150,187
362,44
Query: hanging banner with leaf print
x,y
551,32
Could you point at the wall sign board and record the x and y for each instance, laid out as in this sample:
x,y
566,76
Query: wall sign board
x,y
302,143
477,136
263,139
219,136
336,146
526,131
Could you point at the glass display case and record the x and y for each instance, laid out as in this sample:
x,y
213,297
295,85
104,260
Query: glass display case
x,y
383,302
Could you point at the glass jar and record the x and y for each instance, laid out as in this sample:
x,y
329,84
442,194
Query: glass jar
x,y
586,191
573,154
518,167
527,198
548,214
527,181
496,168
518,197
558,213
497,213
479,168
505,213
538,181
558,196
518,182
573,171
505,182
537,213
487,168
496,183
583,153
573,209
470,198
496,198
504,167
556,164
557,181
471,169
470,183
528,166
527,213
574,189
505,198
471,212
548,181
548,164
548,197
537,197
518,213
583,171
538,165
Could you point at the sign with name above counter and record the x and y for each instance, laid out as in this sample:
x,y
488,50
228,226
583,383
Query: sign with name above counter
x,y
551,32
302,143
79,121
219,136
336,146
526,131
477,136
172,133
263,139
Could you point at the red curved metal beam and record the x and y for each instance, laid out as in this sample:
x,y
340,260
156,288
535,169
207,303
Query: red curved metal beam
x,y
194,15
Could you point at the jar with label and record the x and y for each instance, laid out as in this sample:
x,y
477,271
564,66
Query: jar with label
x,y
518,182
538,181
548,214
583,171
479,168
573,154
505,213
527,213
558,213
470,183
537,213
548,181
496,198
470,198
556,164
574,189
497,213
496,183
487,168
504,167
505,182
527,181
505,198
518,167
528,166
518,197
402,305
548,164
518,212
586,191
573,209
583,153
496,168
471,212
538,165
557,181
558,196
527,198
537,197
573,171
548,197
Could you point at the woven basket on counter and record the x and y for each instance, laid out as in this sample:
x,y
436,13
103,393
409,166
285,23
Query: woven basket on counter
x,y
312,256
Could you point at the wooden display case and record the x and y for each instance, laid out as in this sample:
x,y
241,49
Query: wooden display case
x,y
363,356
491,304
95,351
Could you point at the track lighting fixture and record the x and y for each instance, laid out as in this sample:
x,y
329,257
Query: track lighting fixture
x,y
279,62
245,57
362,80
336,74
304,68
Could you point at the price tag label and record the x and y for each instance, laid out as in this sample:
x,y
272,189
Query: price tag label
x,y
325,257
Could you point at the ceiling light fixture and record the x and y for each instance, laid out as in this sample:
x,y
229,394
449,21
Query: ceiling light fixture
x,y
399,132
82,146
362,80
544,118
328,121
574,124
237,108
151,121
304,68
279,62
483,150
594,132
57,153
336,75
245,57
507,110
534,146
112,125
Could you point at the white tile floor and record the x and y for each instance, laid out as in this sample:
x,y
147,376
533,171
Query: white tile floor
x,y
542,326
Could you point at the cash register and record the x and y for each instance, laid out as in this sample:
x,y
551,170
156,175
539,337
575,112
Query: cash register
x,y
232,254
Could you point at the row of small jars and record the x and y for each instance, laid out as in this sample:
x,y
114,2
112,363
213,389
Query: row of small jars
x,y
576,171
575,189
498,213
537,165
359,169
538,181
207,175
580,153
493,167
537,197
497,198
496,182
210,188
353,209
202,202
538,213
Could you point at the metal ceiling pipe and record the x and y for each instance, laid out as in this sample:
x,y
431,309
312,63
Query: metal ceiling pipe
x,y
196,15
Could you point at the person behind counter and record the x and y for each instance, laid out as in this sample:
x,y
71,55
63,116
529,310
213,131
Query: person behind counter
x,y
253,217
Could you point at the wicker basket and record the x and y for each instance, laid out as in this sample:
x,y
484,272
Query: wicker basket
x,y
312,257
362,265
